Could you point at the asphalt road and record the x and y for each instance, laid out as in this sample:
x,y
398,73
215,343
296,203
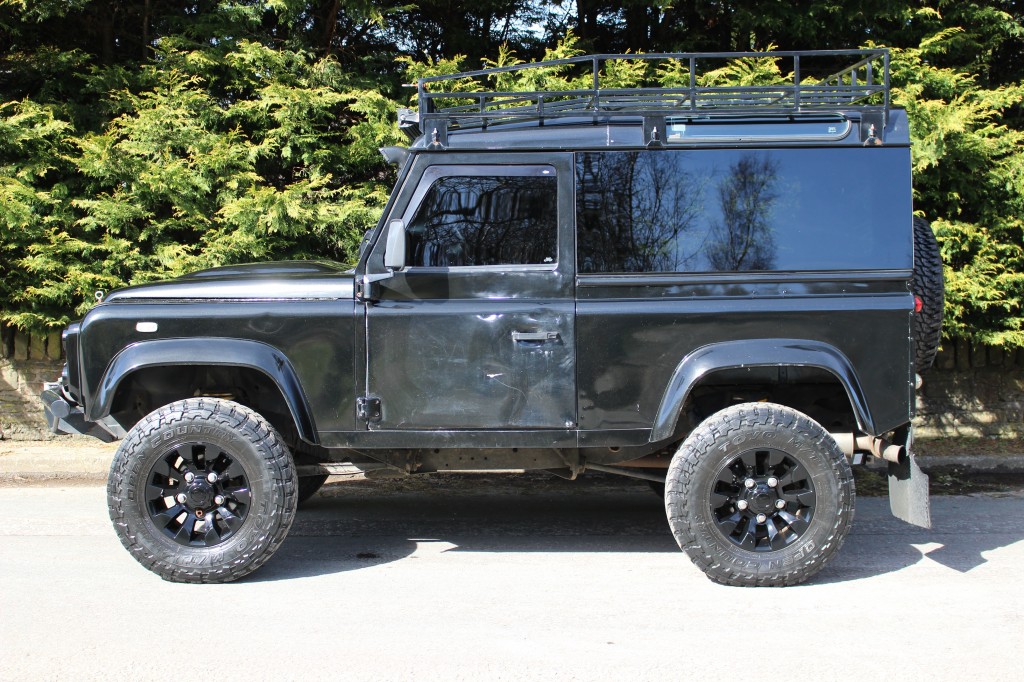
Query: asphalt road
x,y
507,581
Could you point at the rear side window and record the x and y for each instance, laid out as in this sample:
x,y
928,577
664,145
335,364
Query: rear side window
x,y
470,220
728,210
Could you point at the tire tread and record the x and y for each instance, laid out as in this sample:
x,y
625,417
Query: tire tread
x,y
928,283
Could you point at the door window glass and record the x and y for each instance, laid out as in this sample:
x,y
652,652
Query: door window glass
x,y
486,220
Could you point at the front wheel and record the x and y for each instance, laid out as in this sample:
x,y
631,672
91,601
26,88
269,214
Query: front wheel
x,y
760,495
202,491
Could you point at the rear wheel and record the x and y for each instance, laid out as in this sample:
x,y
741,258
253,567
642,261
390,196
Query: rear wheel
x,y
202,490
760,495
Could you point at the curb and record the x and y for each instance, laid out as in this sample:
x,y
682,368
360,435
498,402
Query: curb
x,y
975,463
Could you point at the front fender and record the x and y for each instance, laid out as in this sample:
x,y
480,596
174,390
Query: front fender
x,y
207,351
756,353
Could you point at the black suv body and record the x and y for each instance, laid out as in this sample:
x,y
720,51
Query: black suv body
x,y
706,288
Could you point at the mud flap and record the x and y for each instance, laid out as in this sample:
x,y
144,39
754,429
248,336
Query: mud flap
x,y
908,492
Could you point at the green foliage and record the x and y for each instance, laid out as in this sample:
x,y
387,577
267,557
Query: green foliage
x,y
213,157
34,169
969,179
164,137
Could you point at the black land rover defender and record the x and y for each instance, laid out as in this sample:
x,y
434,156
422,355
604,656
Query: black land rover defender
x,y
722,290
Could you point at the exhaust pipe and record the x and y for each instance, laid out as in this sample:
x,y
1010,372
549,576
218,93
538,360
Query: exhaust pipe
x,y
850,443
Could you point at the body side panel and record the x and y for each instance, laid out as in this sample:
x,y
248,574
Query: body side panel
x,y
313,337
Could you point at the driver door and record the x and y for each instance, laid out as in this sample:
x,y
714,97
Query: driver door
x,y
475,328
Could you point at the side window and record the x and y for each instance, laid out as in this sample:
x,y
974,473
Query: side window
x,y
732,210
466,220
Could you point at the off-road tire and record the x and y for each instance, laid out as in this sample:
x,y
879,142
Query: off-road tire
x,y
309,485
769,431
254,446
929,285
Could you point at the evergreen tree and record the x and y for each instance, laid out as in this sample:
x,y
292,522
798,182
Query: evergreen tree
x,y
141,140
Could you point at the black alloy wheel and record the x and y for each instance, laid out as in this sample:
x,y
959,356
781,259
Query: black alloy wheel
x,y
198,494
763,500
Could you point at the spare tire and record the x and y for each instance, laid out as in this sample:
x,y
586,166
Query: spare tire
x,y
929,291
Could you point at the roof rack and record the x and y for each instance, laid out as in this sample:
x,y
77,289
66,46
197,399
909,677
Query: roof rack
x,y
818,81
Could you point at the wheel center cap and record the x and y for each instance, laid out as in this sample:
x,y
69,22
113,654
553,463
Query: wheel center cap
x,y
762,502
200,493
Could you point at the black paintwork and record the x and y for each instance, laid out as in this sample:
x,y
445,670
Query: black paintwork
x,y
541,357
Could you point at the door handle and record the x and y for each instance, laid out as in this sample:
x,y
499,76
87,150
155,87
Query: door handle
x,y
534,336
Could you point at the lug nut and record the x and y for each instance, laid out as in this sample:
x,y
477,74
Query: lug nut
x,y
220,499
749,483
189,476
181,498
772,482
761,518
741,505
211,477
780,504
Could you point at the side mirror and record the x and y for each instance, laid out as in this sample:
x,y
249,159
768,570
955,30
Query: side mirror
x,y
394,254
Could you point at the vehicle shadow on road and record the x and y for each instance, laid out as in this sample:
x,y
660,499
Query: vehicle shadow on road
x,y
350,530
963,530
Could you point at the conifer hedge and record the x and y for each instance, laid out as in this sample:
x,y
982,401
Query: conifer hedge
x,y
161,137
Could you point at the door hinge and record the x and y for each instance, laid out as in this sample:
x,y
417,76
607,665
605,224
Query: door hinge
x,y
368,409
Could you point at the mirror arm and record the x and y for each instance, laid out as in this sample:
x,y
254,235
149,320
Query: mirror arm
x,y
365,289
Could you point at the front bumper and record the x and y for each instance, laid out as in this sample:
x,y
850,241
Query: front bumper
x,y
64,416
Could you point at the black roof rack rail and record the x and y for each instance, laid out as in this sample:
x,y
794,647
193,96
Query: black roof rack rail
x,y
818,81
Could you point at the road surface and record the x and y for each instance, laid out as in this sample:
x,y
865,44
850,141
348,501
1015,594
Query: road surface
x,y
508,581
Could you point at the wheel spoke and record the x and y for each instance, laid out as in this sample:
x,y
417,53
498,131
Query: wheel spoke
x,y
184,534
156,492
749,539
230,520
199,457
722,494
241,496
728,524
797,523
749,459
212,535
233,472
806,498
164,518
726,478
185,452
761,457
163,467
795,474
